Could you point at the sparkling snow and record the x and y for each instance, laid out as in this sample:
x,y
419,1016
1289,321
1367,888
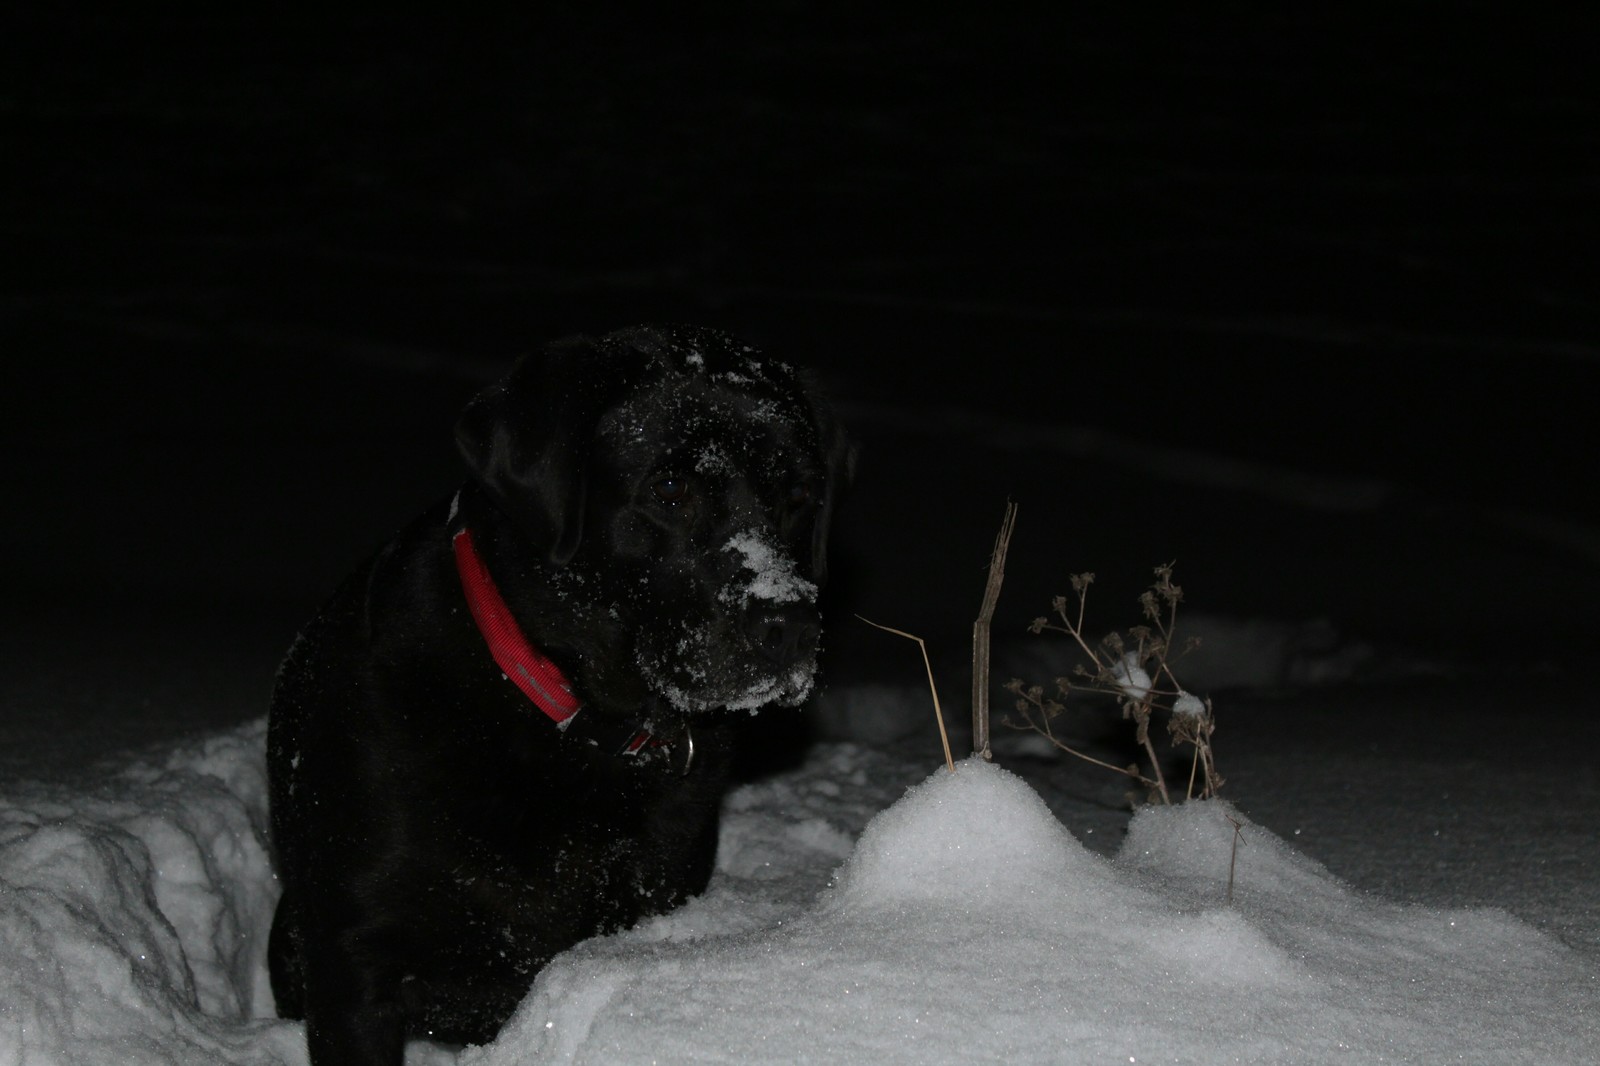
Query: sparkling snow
x,y
852,919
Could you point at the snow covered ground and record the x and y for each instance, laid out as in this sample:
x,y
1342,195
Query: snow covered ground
x,y
866,907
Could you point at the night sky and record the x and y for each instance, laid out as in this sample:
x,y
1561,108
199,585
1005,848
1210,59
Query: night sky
x,y
255,264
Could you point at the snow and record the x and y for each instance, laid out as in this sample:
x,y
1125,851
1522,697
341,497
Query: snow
x,y
1131,677
863,909
134,914
717,683
773,577
766,574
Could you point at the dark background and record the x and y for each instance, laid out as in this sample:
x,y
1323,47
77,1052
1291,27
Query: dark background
x,y
1304,299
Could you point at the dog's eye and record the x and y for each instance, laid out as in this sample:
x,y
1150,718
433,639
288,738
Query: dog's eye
x,y
671,490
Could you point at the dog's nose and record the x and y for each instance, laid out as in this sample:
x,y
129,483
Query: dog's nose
x,y
784,641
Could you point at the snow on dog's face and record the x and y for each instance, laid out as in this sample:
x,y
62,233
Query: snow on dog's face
x,y
695,531
720,487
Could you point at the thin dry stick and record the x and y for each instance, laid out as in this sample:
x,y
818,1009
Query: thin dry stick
x,y
1238,836
1127,771
980,634
949,763
1155,762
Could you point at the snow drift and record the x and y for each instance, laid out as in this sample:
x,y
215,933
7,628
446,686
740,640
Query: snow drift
x,y
956,922
969,926
134,914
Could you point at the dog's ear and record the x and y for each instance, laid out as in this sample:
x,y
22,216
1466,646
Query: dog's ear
x,y
526,441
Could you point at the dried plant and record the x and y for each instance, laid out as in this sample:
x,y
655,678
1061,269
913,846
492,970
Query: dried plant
x,y
1134,667
938,712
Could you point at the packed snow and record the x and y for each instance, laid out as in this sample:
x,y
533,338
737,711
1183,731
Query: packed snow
x,y
863,910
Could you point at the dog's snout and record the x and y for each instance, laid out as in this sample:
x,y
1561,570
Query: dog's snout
x,y
784,640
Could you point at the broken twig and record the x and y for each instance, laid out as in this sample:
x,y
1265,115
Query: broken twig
x,y
980,634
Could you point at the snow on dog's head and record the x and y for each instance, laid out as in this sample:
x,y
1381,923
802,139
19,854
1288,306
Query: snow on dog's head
x,y
766,607
708,494
772,574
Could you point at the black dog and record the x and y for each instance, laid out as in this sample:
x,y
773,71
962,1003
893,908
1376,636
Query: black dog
x,y
511,729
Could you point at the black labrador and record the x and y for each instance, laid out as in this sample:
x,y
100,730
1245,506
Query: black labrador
x,y
511,729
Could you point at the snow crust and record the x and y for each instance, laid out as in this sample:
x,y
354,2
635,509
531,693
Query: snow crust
x,y
851,919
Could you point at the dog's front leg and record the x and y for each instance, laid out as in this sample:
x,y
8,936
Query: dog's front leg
x,y
353,1014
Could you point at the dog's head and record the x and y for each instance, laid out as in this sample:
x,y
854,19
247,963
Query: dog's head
x,y
677,485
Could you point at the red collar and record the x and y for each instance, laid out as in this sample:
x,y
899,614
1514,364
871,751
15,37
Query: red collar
x,y
531,670
523,664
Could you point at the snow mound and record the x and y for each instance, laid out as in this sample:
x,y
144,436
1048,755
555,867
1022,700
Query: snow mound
x,y
967,925
977,830
847,922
